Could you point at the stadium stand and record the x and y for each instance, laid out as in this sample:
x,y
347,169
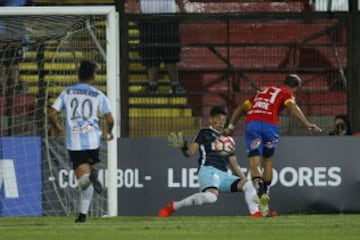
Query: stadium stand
x,y
154,114
224,61
264,51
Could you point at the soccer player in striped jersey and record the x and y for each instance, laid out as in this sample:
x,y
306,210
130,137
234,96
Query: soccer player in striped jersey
x,y
262,130
82,104
213,171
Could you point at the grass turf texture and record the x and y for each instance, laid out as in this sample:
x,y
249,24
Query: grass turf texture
x,y
292,227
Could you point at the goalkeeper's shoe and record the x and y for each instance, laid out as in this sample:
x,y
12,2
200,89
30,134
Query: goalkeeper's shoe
x,y
81,218
264,204
167,210
95,181
259,214
256,214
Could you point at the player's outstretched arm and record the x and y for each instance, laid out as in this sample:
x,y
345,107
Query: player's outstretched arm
x,y
296,111
176,140
239,111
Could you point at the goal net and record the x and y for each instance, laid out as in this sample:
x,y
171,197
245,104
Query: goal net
x,y
40,49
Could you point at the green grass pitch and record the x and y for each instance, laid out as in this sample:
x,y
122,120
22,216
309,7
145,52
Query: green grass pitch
x,y
289,227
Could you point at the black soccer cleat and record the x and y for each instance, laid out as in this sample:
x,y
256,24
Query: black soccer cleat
x,y
81,218
95,181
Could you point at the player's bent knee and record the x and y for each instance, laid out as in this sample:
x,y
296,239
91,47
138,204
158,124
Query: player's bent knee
x,y
210,197
205,197
268,152
84,181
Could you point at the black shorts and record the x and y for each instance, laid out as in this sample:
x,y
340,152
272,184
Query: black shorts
x,y
163,33
86,156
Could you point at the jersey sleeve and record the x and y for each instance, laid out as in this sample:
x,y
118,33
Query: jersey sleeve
x,y
199,138
59,102
288,98
104,105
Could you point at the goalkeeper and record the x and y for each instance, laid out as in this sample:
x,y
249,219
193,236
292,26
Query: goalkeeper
x,y
82,103
213,170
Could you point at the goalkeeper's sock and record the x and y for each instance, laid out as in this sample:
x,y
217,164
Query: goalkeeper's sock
x,y
85,199
251,197
196,199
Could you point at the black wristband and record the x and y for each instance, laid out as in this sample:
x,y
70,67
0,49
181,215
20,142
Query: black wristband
x,y
185,147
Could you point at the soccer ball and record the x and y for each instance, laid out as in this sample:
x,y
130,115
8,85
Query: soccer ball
x,y
224,145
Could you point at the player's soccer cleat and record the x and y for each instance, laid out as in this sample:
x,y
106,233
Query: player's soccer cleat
x,y
81,218
95,181
167,210
271,213
264,204
256,215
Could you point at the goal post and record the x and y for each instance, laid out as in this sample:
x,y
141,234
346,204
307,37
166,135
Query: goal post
x,y
50,42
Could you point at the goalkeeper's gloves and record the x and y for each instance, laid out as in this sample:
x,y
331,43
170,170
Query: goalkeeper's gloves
x,y
176,140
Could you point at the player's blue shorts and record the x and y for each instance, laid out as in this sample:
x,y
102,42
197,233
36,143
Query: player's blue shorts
x,y
260,135
212,177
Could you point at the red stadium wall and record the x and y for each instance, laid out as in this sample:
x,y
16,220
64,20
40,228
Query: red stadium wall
x,y
265,58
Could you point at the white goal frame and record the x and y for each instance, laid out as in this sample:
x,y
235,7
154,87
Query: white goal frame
x,y
112,71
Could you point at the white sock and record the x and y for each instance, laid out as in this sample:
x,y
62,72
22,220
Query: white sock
x,y
196,199
85,199
251,197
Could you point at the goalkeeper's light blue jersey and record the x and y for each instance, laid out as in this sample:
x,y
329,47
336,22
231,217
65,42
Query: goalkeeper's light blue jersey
x,y
82,104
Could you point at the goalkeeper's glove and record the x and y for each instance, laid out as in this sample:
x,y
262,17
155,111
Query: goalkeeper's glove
x,y
176,140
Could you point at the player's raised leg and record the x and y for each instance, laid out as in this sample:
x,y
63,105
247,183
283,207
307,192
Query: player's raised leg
x,y
193,200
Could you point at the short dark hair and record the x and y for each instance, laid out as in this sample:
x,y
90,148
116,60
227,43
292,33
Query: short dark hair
x,y
292,81
86,70
217,110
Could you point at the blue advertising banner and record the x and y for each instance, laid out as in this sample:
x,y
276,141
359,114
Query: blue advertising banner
x,y
20,176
